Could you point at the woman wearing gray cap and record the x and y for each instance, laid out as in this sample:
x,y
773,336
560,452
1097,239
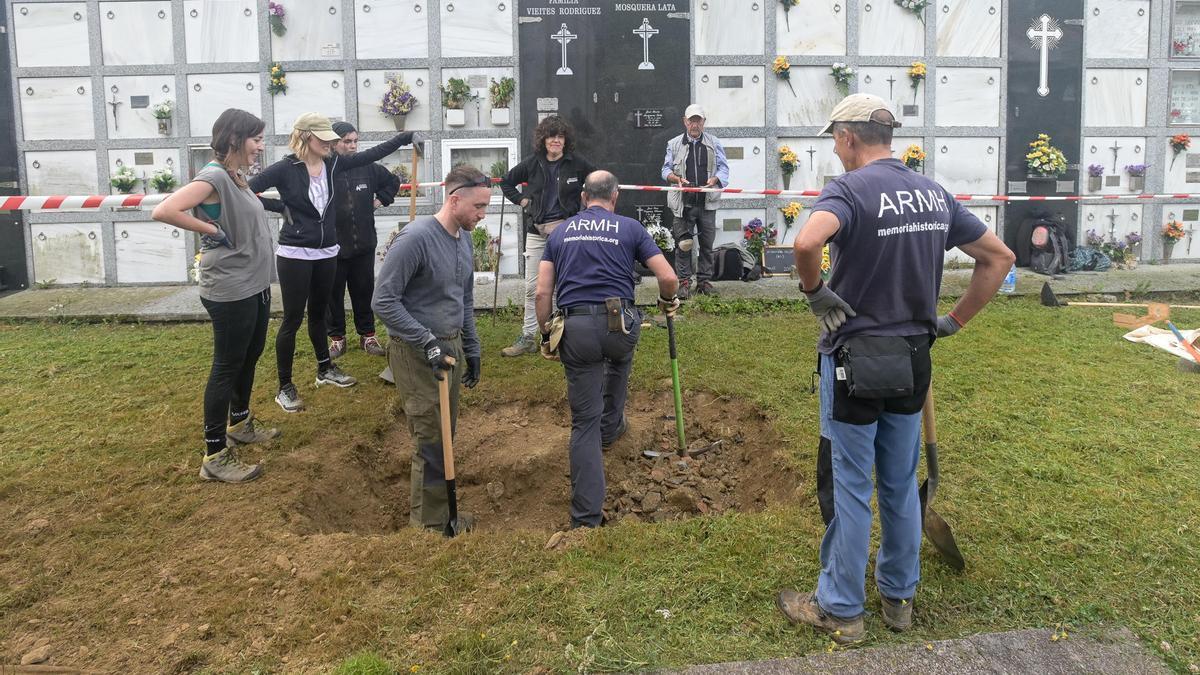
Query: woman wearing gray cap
x,y
308,246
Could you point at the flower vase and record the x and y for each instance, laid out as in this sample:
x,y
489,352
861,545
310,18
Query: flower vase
x,y
398,120
1168,248
501,117
1094,183
164,126
456,117
1137,183
787,181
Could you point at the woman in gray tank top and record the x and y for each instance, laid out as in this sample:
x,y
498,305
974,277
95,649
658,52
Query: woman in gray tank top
x,y
235,261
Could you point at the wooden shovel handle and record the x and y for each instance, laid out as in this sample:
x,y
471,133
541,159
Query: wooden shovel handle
x,y
928,421
412,178
444,413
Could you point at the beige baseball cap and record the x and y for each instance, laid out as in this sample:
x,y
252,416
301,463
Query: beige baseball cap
x,y
858,108
318,125
694,110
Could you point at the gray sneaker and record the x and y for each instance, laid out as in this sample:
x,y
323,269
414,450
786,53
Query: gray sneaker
x,y
227,467
370,345
337,347
897,614
289,399
248,431
524,345
803,608
334,375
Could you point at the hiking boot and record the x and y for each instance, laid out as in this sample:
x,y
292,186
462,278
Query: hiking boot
x,y
227,467
524,345
621,429
803,608
289,399
337,347
248,431
897,614
706,288
370,345
334,375
685,288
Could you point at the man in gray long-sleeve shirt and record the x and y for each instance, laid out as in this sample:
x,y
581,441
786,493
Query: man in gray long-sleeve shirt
x,y
424,297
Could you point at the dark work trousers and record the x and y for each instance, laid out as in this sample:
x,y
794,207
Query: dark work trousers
x,y
597,363
704,223
303,283
359,274
239,334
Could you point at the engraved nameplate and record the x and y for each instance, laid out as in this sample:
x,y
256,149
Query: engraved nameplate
x,y
647,118
729,82
1018,186
1064,186
910,110
477,81
1112,181
547,104
331,50
731,224
1191,214
139,102
143,158
735,152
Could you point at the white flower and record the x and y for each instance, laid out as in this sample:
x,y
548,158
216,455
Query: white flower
x,y
664,613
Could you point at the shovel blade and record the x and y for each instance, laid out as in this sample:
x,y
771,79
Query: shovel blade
x,y
938,531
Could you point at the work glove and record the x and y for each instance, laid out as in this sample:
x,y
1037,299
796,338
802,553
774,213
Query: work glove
x,y
471,377
831,311
215,240
544,349
436,352
947,326
668,306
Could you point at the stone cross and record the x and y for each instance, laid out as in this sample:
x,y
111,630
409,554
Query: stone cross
x,y
1045,31
811,151
645,31
1115,148
562,37
891,86
114,103
1190,231
1112,228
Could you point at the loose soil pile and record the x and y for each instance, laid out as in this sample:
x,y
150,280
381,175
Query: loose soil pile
x,y
513,471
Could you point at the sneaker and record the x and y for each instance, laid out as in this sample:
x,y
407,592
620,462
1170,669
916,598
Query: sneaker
x,y
803,608
524,345
370,345
289,399
684,291
897,614
616,437
334,375
248,431
337,347
227,467
706,288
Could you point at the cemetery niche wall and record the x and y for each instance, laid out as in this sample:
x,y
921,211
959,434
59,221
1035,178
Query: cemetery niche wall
x,y
87,79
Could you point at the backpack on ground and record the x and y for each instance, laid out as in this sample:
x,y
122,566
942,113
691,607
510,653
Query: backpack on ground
x,y
727,263
1049,250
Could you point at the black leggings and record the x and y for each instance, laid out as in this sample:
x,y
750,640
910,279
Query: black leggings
x,y
359,273
239,334
303,283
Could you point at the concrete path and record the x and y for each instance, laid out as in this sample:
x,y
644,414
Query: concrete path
x,y
182,303
1093,652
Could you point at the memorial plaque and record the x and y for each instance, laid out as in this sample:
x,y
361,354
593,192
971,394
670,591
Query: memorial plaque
x,y
1112,181
1185,97
729,82
477,81
1193,177
136,102
618,72
778,259
143,159
1193,160
651,215
735,152
331,50
731,224
647,118
1191,214
1185,29
910,110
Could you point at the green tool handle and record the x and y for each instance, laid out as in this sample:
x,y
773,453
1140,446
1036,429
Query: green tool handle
x,y
675,385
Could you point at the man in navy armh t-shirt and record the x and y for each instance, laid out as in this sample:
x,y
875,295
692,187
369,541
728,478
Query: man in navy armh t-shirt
x,y
588,263
888,228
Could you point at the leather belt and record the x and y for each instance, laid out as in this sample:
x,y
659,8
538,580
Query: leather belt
x,y
593,308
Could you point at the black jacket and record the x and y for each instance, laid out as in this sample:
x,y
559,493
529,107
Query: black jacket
x,y
302,224
532,171
354,195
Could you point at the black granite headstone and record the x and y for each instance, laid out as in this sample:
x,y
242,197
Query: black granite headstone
x,y
618,72
13,272
1045,96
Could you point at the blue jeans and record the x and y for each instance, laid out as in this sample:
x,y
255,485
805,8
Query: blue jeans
x,y
890,446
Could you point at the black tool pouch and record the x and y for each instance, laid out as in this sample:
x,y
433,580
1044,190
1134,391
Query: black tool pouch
x,y
614,309
877,374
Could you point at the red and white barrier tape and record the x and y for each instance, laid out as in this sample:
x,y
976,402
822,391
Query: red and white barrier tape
x,y
19,202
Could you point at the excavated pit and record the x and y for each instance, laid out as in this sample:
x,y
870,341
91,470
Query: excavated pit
x,y
512,467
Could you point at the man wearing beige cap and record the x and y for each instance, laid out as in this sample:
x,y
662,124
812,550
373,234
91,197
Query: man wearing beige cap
x,y
888,228
694,159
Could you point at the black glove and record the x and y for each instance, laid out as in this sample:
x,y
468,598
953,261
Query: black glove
x,y
214,240
471,377
669,306
947,325
436,352
831,311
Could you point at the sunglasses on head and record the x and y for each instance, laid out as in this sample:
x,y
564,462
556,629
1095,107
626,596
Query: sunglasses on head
x,y
482,181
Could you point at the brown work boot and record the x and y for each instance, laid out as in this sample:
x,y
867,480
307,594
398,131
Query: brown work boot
x,y
897,614
803,608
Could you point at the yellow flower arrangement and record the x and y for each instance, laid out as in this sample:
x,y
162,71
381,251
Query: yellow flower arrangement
x,y
277,80
788,161
913,157
1044,159
791,212
783,70
916,75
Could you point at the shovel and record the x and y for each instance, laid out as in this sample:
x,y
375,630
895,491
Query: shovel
x,y
453,527
936,528
386,373
1049,299
682,450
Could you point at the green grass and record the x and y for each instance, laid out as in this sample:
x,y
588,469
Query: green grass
x,y
1069,474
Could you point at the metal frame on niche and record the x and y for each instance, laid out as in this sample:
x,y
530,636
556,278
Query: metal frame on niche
x,y
1171,34
1170,88
449,145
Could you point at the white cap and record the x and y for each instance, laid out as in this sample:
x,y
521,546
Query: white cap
x,y
694,110
858,108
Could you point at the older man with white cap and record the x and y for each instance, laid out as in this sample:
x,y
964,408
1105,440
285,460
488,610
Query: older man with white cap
x,y
694,159
888,228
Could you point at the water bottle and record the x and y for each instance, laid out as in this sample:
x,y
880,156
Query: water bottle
x,y
1010,281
